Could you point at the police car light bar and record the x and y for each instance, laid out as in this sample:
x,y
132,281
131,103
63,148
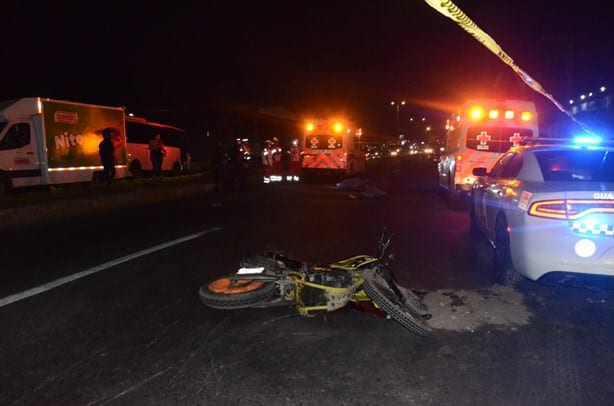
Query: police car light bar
x,y
587,140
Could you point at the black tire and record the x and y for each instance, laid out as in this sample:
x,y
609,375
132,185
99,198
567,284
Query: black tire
x,y
453,197
6,184
98,177
136,169
503,272
176,169
260,292
387,300
416,305
474,229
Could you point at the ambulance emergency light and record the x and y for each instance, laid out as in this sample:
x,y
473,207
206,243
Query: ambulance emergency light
x,y
478,113
335,126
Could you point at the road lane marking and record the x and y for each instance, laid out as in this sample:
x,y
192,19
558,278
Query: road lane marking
x,y
70,278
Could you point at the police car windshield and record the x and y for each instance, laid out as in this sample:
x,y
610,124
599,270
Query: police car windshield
x,y
495,139
576,165
324,141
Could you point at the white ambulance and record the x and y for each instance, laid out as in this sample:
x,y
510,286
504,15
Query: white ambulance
x,y
477,135
332,145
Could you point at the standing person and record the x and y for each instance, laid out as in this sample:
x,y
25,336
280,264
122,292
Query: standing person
x,y
106,149
156,153
238,165
276,170
218,162
294,170
267,160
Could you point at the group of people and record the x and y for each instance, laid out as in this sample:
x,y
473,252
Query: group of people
x,y
229,166
106,150
271,160
272,157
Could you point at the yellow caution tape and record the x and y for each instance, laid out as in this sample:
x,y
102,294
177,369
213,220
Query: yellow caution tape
x,y
451,10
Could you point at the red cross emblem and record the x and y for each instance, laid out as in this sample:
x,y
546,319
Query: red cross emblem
x,y
483,138
515,139
314,142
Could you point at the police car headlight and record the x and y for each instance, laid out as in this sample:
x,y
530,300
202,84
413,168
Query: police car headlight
x,y
585,248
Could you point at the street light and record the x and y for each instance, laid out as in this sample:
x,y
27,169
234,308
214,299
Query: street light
x,y
398,105
423,119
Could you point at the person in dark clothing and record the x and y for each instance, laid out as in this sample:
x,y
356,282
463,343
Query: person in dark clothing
x,y
156,153
218,162
107,156
238,165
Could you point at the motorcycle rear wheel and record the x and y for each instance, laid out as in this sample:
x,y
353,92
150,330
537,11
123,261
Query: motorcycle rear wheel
x,y
387,300
227,293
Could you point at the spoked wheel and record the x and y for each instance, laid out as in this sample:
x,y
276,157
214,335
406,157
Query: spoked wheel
x,y
388,301
230,293
503,272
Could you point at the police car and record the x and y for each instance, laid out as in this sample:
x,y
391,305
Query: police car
x,y
548,210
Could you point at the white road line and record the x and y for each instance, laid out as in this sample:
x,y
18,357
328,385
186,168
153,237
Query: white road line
x,y
67,279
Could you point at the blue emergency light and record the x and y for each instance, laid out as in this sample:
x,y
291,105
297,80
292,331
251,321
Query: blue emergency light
x,y
587,140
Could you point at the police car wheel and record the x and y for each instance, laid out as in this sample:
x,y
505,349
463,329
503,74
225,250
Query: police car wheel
x,y
503,272
474,229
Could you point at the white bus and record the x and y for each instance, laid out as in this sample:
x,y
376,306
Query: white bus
x,y
481,131
139,132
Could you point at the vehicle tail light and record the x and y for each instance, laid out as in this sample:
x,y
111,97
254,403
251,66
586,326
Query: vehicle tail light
x,y
570,209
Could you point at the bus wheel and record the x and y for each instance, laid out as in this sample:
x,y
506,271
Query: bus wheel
x,y
135,169
176,169
6,184
451,193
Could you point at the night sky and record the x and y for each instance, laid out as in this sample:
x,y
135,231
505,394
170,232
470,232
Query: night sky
x,y
192,63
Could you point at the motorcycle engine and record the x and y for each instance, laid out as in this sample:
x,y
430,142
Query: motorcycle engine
x,y
313,296
331,277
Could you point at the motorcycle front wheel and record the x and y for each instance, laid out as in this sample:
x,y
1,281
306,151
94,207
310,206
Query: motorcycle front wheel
x,y
387,300
230,293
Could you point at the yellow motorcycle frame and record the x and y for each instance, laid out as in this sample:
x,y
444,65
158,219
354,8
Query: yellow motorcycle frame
x,y
336,297
274,280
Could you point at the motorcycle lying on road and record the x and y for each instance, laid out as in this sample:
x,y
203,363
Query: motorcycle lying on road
x,y
274,279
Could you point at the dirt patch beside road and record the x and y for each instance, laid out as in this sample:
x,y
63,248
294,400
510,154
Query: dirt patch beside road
x,y
466,310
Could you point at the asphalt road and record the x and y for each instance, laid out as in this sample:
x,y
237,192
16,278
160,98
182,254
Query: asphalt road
x,y
124,324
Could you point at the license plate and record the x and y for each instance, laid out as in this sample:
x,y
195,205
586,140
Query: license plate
x,y
247,271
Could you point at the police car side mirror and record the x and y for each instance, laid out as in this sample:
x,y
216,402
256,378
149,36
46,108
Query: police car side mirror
x,y
480,172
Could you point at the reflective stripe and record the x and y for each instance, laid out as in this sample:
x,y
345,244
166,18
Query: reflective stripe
x,y
329,160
